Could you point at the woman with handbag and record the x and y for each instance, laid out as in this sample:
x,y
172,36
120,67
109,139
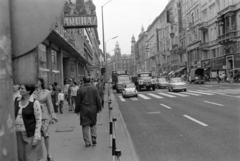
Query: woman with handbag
x,y
48,115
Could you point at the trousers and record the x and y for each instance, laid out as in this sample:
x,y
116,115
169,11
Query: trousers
x,y
89,129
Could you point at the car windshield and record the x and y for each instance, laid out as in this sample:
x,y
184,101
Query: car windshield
x,y
176,80
130,85
123,78
162,80
145,78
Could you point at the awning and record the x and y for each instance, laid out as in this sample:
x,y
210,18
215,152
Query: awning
x,y
180,69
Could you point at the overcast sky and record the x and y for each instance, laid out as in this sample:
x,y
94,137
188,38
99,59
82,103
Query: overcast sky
x,y
124,18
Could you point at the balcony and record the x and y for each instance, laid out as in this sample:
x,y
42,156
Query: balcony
x,y
203,26
204,45
228,9
227,38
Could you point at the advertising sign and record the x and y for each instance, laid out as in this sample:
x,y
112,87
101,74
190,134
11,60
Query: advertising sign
x,y
81,14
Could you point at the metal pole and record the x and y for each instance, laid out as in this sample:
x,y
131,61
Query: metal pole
x,y
8,150
110,127
114,139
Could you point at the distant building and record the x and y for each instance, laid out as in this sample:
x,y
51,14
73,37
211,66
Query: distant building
x,y
118,61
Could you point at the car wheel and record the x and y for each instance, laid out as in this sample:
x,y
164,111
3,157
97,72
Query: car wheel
x,y
185,90
153,88
136,95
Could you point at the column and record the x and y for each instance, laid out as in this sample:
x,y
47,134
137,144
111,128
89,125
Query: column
x,y
60,67
76,72
49,63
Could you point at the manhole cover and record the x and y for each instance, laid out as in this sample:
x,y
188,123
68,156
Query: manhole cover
x,y
64,129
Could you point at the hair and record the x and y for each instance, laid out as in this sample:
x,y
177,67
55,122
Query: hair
x,y
55,83
54,89
29,87
42,82
75,82
86,80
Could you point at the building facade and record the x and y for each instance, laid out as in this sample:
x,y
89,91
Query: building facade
x,y
199,34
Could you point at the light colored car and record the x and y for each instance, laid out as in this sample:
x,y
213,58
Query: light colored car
x,y
162,82
177,84
129,90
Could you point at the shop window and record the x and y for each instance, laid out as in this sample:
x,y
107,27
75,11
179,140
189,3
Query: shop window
x,y
54,59
42,53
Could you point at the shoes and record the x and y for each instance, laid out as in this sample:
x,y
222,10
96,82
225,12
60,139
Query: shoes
x,y
70,109
87,145
94,143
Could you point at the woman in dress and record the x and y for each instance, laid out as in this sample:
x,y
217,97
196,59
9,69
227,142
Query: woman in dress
x,y
48,115
28,124
54,96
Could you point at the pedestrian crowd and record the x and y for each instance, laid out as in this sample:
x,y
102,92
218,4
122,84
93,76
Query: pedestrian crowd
x,y
36,108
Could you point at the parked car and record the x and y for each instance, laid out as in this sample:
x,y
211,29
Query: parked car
x,y
162,82
129,90
177,84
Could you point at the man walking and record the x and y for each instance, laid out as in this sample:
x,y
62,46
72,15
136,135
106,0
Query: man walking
x,y
100,88
88,104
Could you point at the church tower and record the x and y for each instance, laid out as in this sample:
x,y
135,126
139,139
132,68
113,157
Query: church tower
x,y
117,53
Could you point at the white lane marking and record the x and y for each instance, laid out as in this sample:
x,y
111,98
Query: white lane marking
x,y
213,103
199,122
122,99
212,92
179,94
157,112
154,95
199,92
166,106
144,97
194,94
168,95
134,99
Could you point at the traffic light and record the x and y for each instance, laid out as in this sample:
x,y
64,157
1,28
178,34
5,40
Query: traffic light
x,y
103,70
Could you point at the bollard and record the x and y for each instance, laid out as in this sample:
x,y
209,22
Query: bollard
x,y
114,139
118,154
109,102
110,127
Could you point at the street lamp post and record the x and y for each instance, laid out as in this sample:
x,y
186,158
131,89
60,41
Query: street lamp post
x,y
103,29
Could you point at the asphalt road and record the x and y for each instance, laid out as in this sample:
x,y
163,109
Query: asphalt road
x,y
200,125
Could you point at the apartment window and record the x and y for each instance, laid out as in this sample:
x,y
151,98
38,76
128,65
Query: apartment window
x,y
204,15
213,53
197,14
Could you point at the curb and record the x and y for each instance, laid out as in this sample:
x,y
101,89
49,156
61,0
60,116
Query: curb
x,y
128,136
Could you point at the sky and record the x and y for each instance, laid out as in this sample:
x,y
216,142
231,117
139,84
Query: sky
x,y
125,18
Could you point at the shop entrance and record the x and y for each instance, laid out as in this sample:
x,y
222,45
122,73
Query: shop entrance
x,y
230,64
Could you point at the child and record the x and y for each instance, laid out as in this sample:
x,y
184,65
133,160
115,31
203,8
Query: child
x,y
60,100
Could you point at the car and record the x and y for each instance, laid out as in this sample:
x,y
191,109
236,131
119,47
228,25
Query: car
x,y
162,82
177,84
129,90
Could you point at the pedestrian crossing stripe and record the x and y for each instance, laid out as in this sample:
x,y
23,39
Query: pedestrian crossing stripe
x,y
179,94
121,98
201,93
143,96
154,95
168,95
161,95
193,94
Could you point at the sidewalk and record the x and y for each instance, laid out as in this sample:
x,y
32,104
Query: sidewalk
x,y
216,83
66,142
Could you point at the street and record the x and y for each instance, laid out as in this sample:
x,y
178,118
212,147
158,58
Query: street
x,y
201,124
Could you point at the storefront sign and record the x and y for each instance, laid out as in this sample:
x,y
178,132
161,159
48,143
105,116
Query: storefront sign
x,y
80,14
218,63
80,22
206,63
